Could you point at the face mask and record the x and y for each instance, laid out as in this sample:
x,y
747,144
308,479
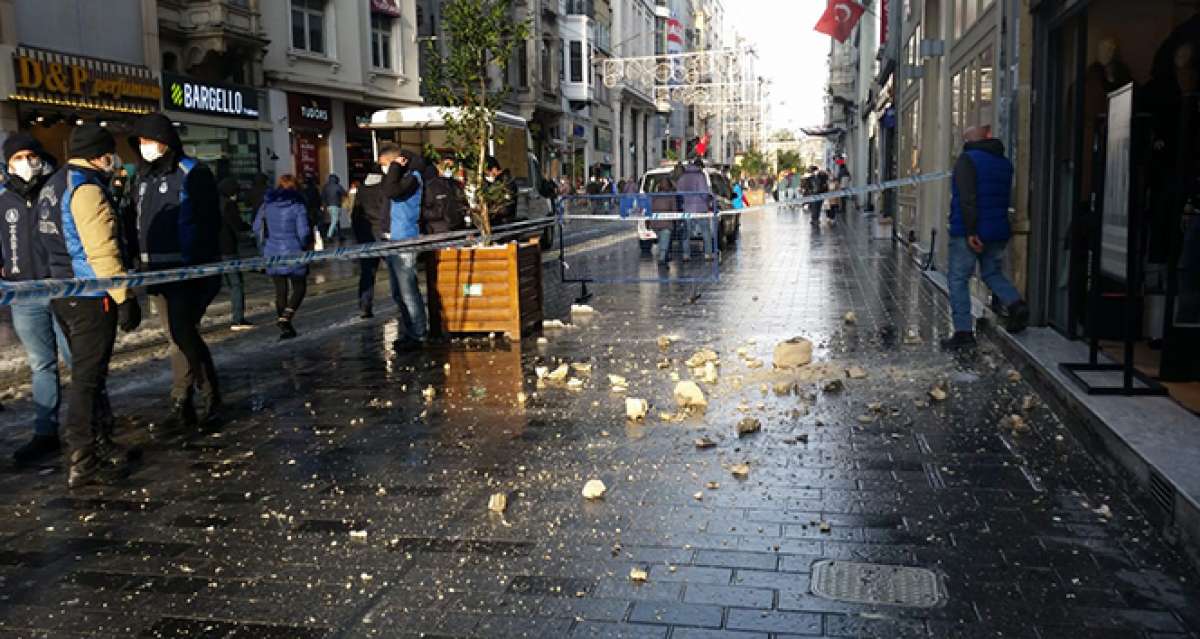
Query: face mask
x,y
448,173
490,178
25,169
150,152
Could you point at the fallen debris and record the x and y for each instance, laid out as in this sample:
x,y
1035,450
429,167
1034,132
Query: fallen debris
x,y
1015,423
938,394
664,342
850,317
1014,376
689,395
856,372
638,574
553,323
784,388
793,353
834,386
559,374
704,442
429,393
498,503
594,489
636,408
741,471
748,426
582,309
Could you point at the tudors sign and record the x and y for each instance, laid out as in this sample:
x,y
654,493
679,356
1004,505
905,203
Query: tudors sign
x,y
185,94
310,112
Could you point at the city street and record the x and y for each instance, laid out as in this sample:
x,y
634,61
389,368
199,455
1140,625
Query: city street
x,y
346,492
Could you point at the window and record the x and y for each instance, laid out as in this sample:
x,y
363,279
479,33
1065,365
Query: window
x,y
576,61
381,41
522,65
547,65
308,25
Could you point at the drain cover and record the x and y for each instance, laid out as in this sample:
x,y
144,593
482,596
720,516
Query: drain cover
x,y
876,584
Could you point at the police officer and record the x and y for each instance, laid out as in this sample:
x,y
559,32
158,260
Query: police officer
x,y
26,168
79,236
178,213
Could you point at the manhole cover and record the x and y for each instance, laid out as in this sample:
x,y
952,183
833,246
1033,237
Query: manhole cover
x,y
876,584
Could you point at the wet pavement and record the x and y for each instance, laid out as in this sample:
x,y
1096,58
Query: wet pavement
x,y
346,493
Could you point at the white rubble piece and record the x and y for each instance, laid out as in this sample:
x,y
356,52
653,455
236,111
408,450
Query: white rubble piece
x,y
689,395
636,408
793,353
594,489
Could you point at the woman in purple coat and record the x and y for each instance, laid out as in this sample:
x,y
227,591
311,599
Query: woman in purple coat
x,y
282,229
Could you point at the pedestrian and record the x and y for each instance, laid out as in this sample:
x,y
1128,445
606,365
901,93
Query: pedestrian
x,y
502,193
281,226
388,207
981,192
79,236
26,168
739,195
444,202
179,223
694,184
663,228
331,197
232,227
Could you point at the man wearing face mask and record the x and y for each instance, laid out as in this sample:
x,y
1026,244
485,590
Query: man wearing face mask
x,y
26,168
444,203
178,222
79,236
502,191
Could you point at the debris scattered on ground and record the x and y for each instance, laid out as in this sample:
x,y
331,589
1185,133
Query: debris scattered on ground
x,y
521,397
636,408
1104,511
575,384
793,353
704,442
802,438
834,386
912,337
553,323
825,527
706,373
559,374
542,341
938,394
581,367
594,489
747,426
498,503
664,342
741,471
358,534
689,395
429,393
698,496
541,371
582,309
784,388
638,574
850,317
754,362
712,485
1028,403
1014,376
701,357
856,372
1015,423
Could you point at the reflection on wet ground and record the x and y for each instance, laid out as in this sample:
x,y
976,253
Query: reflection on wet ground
x,y
346,494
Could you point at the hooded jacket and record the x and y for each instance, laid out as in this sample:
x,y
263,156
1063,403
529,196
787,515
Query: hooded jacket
x,y
78,230
282,227
22,259
693,181
332,193
232,224
981,192
178,208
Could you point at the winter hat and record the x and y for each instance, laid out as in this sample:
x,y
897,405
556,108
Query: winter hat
x,y
21,141
90,141
158,127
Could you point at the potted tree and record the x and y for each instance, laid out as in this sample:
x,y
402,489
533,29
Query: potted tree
x,y
487,287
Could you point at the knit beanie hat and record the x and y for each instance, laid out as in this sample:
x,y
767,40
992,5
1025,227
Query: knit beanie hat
x,y
21,141
90,141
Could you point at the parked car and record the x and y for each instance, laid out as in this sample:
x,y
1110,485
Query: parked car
x,y
718,184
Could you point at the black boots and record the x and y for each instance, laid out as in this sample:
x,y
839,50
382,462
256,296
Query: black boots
x,y
286,330
86,468
1018,317
960,339
209,406
39,447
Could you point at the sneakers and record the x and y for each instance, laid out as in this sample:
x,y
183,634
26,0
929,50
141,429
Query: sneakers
x,y
85,468
286,330
39,447
1018,317
241,326
960,339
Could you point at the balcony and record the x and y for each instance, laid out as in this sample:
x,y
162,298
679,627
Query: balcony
x,y
213,25
577,33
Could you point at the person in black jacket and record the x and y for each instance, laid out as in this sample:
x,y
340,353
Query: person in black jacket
x,y
232,227
444,202
372,219
26,168
179,223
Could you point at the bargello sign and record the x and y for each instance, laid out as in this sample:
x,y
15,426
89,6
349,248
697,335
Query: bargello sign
x,y
208,98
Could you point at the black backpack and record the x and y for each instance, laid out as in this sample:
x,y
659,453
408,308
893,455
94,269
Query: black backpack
x,y
443,206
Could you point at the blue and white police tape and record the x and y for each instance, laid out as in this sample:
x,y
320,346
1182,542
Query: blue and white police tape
x,y
632,206
856,190
49,289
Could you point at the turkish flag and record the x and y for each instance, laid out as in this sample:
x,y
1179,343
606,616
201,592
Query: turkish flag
x,y
702,145
839,19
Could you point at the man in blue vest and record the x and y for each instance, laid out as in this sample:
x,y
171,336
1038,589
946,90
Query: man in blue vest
x,y
178,224
979,232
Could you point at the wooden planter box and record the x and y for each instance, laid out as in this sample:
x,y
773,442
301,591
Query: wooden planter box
x,y
486,289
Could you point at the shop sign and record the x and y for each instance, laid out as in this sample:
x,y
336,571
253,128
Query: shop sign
x,y
385,7
208,98
310,112
307,161
69,80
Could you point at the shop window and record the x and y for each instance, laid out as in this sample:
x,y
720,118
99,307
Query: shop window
x,y
576,61
381,41
308,25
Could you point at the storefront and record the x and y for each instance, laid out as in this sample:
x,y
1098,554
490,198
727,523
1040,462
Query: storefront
x,y
1117,153
219,125
360,154
56,92
310,120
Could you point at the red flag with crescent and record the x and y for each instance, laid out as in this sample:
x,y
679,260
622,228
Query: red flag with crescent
x,y
702,145
839,19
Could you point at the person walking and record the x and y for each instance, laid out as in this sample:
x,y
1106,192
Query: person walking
x,y
282,229
692,181
331,197
981,192
667,203
232,227
79,236
26,168
179,224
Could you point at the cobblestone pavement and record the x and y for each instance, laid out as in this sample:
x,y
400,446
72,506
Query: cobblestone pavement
x,y
338,500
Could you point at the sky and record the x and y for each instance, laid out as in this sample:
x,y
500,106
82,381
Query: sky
x,y
790,54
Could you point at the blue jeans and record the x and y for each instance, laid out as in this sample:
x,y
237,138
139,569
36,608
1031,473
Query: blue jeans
x,y
664,244
335,214
403,271
705,228
237,296
962,266
38,331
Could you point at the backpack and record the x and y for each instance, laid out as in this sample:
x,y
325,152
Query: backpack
x,y
443,207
